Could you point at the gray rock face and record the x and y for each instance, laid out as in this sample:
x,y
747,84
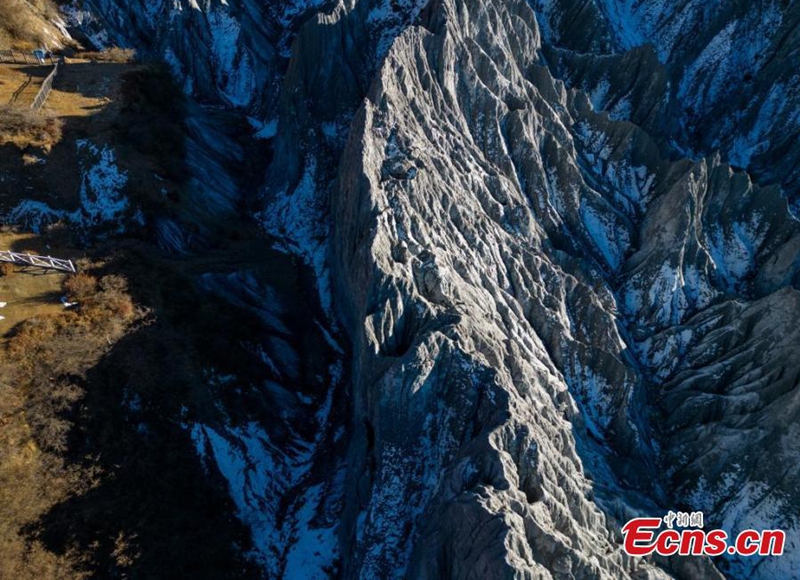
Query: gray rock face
x,y
233,53
730,66
557,321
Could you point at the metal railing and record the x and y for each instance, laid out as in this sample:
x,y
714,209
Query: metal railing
x,y
22,57
47,86
47,262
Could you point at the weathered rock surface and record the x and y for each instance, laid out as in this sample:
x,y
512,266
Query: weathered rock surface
x,y
565,308
730,67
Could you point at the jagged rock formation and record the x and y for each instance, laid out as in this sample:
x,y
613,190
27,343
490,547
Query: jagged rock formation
x,y
716,76
564,307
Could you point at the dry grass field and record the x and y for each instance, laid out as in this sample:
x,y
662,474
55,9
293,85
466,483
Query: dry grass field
x,y
19,83
29,293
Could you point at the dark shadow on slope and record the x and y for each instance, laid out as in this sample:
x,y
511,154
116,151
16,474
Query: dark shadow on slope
x,y
155,510
150,508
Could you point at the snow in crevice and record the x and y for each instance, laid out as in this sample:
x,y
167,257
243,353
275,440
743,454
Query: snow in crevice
x,y
102,185
102,196
264,130
87,22
739,48
260,475
299,220
388,19
756,140
737,505
314,546
233,64
608,236
733,249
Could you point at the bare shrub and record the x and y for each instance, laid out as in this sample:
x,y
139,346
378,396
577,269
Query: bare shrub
x,y
104,302
113,282
32,334
47,404
113,54
80,287
6,269
24,128
106,307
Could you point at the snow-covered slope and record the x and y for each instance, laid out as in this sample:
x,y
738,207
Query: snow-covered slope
x,y
731,72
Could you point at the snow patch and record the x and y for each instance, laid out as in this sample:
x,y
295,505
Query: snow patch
x,y
101,195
